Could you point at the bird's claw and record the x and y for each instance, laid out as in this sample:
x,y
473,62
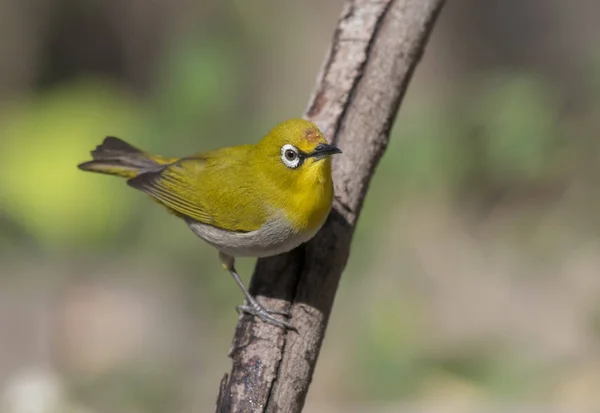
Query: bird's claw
x,y
267,315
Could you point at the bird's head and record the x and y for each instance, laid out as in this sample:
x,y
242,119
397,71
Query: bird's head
x,y
296,149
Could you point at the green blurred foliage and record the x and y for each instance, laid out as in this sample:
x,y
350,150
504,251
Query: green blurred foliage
x,y
517,114
41,143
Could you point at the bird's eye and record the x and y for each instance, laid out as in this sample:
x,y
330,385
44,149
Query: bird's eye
x,y
290,156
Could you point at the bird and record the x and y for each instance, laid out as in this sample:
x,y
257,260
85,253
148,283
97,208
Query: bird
x,y
252,200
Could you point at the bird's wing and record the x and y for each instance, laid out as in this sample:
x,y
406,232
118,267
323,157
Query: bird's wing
x,y
212,188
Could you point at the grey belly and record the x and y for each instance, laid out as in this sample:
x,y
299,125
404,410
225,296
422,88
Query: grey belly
x,y
272,238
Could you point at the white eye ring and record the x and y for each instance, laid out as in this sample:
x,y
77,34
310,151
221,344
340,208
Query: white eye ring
x,y
290,156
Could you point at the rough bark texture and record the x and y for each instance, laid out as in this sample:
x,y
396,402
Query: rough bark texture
x,y
375,49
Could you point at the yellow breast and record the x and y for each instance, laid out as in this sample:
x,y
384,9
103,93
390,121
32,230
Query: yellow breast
x,y
309,204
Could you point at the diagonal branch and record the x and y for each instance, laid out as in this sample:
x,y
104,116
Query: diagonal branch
x,y
374,52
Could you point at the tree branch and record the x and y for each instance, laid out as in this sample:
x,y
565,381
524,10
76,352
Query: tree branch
x,y
375,49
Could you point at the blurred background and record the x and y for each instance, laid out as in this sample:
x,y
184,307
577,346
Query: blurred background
x,y
474,278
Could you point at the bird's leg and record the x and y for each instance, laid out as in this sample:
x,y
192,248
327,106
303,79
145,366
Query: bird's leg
x,y
253,307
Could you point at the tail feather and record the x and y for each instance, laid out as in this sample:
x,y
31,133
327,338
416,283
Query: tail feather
x,y
111,146
117,157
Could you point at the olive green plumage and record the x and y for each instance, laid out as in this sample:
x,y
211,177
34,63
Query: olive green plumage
x,y
255,200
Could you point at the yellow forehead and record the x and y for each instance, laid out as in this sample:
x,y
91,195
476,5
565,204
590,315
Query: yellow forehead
x,y
301,133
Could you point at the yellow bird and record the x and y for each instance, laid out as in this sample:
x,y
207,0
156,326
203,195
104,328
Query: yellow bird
x,y
254,200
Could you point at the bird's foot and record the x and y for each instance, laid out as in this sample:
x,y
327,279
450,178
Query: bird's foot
x,y
267,316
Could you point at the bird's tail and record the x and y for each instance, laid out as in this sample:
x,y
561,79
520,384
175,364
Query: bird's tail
x,y
117,157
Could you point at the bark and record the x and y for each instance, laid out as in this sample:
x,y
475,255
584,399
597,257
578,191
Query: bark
x,y
375,49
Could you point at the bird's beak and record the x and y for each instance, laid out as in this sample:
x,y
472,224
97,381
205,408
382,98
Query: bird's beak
x,y
324,149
